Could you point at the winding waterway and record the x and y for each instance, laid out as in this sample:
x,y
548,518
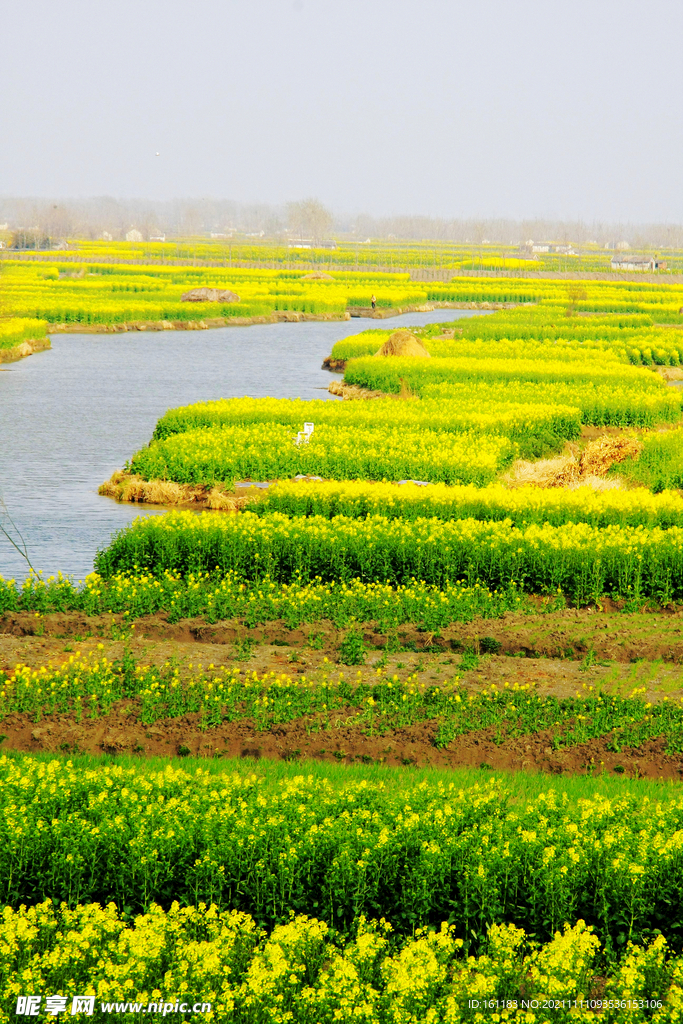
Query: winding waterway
x,y
72,415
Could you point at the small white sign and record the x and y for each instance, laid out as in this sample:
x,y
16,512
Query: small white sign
x,y
309,428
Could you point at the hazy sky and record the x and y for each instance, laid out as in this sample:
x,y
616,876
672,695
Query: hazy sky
x,y
559,108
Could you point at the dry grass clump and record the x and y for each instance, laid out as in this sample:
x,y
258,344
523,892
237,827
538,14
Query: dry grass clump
x,y
597,483
209,295
126,487
670,372
403,343
220,502
317,275
352,391
578,469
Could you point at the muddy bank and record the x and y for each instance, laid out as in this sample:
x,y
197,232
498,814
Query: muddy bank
x,y
128,487
26,348
277,317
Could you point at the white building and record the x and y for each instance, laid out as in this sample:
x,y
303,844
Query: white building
x,y
134,235
634,262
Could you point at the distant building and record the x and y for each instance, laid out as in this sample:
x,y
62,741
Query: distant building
x,y
134,235
634,262
537,247
309,243
106,237
157,238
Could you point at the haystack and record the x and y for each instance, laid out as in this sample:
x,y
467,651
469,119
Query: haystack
x,y
573,470
603,452
209,295
318,275
403,343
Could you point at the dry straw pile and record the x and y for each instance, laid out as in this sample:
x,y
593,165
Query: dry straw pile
x,y
403,343
577,469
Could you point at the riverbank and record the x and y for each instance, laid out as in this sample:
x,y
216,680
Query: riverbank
x,y
23,349
284,316
129,487
277,317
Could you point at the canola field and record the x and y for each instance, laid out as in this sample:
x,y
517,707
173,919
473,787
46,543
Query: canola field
x,y
18,329
368,255
529,462
96,291
419,485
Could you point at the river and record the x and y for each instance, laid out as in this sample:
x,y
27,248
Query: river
x,y
72,415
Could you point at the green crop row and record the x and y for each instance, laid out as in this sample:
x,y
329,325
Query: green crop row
x,y
228,597
579,560
524,422
265,451
92,687
618,393
522,333
417,855
600,404
359,499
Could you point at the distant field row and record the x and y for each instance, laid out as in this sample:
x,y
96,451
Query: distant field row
x,y
67,292
365,255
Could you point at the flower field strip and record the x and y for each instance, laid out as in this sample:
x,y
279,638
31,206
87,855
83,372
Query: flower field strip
x,y
499,415
662,300
13,332
581,561
527,409
358,499
383,374
112,294
417,855
522,338
600,404
304,972
266,451
228,597
348,255
639,397
91,687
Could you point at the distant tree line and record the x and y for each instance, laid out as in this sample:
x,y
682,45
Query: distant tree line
x,y
36,220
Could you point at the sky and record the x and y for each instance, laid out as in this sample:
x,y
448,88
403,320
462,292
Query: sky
x,y
561,109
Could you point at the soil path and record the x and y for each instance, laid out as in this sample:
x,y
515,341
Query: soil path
x,y
611,651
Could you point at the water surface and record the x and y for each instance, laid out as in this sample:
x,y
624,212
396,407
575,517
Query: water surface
x,y
72,415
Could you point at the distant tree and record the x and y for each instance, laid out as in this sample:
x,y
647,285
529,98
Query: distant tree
x,y
576,292
309,219
29,240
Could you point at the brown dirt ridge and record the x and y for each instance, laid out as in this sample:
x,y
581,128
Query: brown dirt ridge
x,y
566,635
121,732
